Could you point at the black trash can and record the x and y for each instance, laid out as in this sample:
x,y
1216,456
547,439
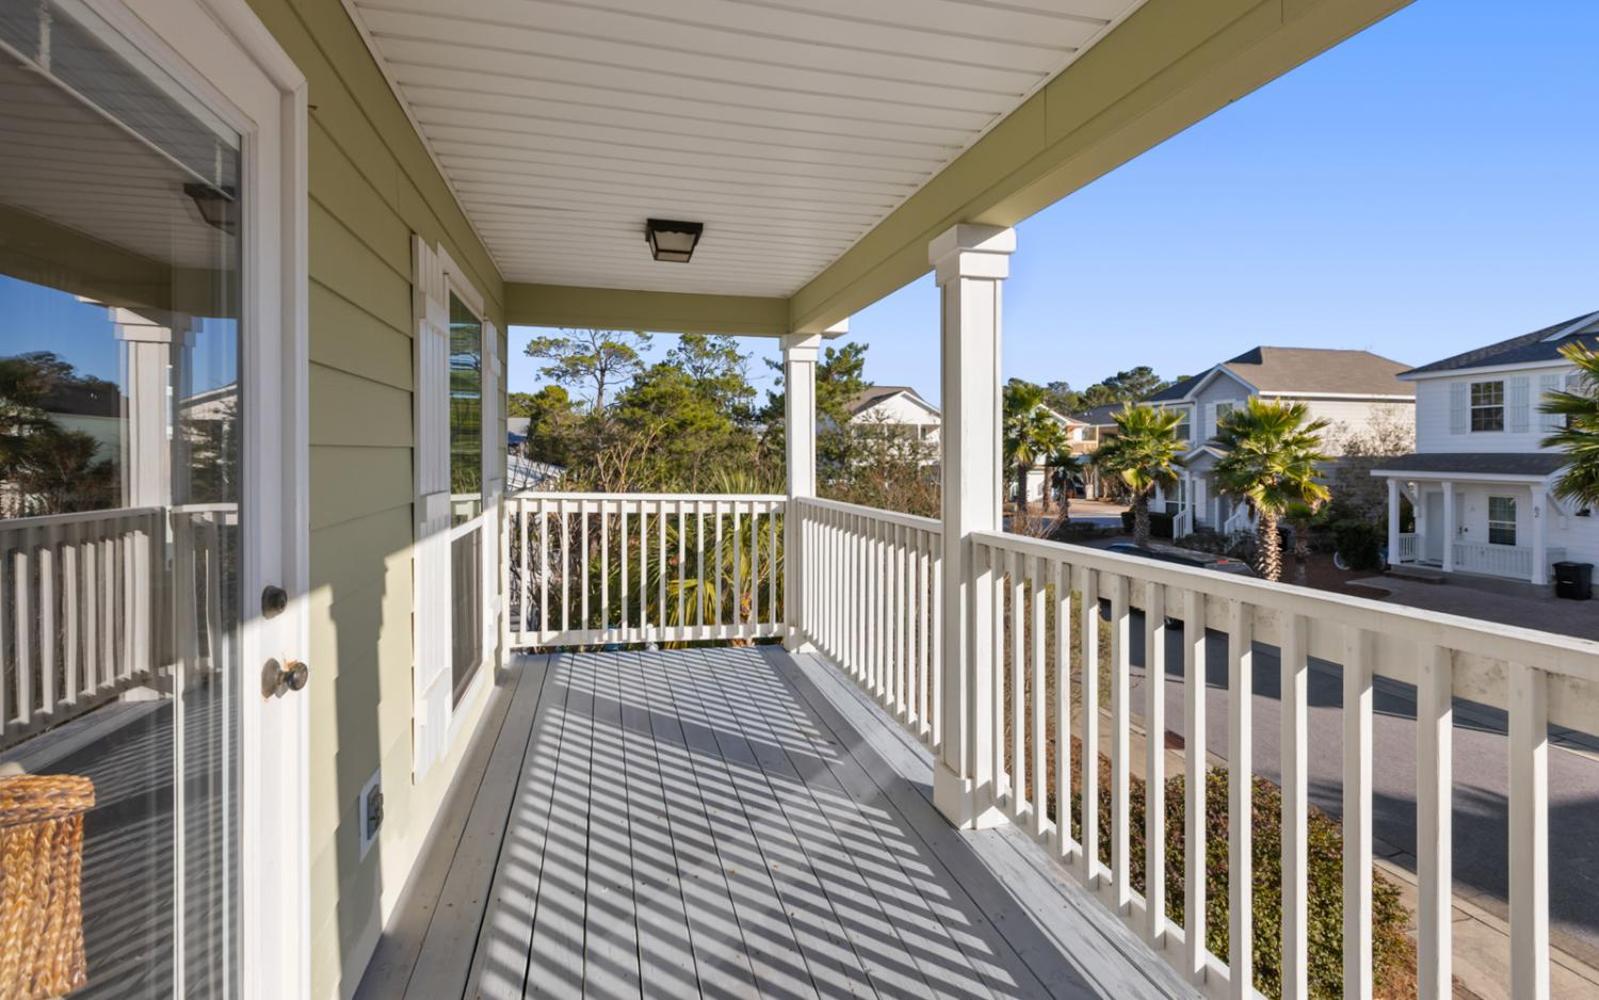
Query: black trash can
x,y
1574,580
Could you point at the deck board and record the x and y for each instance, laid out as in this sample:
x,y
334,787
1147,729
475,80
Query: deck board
x,y
730,823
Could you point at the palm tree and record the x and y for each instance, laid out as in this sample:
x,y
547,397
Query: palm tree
x,y
1031,434
1300,514
1145,452
1065,468
1579,438
1272,450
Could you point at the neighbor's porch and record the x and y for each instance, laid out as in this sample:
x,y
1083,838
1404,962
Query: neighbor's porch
x,y
730,822
1484,527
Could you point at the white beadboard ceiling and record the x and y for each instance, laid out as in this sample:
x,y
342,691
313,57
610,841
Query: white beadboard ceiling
x,y
789,129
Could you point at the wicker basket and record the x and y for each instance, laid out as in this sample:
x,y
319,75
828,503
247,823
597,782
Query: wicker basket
x,y
41,871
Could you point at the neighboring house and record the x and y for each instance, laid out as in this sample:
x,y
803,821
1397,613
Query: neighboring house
x,y
897,406
1347,388
1480,480
1080,441
1096,426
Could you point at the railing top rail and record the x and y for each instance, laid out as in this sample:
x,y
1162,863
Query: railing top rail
x,y
650,497
861,510
1559,654
80,517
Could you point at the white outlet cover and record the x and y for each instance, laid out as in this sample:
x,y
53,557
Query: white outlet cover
x,y
372,784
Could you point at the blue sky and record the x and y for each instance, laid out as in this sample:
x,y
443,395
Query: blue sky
x,y
1429,186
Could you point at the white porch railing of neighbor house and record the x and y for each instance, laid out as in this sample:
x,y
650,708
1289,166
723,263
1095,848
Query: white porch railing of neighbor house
x,y
1513,561
76,622
1407,548
587,568
869,583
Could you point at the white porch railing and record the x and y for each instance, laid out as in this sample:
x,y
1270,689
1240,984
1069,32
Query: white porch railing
x,y
1407,547
588,568
870,602
76,621
1242,519
1182,524
1512,561
870,589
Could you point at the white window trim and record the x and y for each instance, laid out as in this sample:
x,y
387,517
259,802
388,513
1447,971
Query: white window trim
x,y
1513,523
1472,406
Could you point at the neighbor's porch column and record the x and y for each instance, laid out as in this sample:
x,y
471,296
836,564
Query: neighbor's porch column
x,y
1393,521
1540,534
799,446
1449,526
969,262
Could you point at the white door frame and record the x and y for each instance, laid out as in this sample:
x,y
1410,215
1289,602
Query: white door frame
x,y
222,52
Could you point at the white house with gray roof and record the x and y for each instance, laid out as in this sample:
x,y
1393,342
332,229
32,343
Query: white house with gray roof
x,y
1481,478
1348,388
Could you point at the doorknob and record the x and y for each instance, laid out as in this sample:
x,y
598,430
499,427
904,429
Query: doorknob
x,y
278,678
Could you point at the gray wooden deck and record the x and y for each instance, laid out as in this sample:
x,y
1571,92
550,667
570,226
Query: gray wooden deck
x,y
729,823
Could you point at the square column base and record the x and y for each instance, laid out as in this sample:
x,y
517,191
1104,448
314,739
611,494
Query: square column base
x,y
795,642
958,799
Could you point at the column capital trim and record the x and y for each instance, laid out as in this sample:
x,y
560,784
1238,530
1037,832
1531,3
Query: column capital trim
x,y
967,250
801,346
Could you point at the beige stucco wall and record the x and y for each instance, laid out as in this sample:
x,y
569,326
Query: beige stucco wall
x,y
371,185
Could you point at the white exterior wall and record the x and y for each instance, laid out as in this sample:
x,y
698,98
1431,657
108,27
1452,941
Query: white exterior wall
x,y
901,409
1350,415
1434,414
1579,536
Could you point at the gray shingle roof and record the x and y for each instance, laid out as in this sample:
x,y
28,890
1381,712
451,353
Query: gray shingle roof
x,y
1100,416
1477,463
874,394
1307,370
1529,348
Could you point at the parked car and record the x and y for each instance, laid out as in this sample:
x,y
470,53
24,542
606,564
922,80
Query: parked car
x,y
1185,557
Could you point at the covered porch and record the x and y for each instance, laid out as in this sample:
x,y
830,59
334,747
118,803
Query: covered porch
x,y
1482,515
730,822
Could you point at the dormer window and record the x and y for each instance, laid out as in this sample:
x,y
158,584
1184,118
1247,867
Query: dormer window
x,y
1488,406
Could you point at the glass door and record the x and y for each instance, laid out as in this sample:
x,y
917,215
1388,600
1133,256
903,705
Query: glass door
x,y
122,522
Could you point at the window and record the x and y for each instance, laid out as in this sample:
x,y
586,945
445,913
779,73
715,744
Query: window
x,y
1487,406
1222,409
466,411
1184,431
1501,520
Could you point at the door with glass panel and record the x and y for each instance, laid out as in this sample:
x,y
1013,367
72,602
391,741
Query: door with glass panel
x,y
131,548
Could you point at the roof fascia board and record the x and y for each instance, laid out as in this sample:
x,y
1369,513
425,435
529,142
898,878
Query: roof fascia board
x,y
1287,394
1462,477
1170,64
656,312
1485,370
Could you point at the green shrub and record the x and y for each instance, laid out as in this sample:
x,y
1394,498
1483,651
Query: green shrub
x,y
1359,542
1392,951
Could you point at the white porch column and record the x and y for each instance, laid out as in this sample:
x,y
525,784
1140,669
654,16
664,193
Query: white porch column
x,y
1393,520
1540,534
146,362
799,446
1449,526
970,261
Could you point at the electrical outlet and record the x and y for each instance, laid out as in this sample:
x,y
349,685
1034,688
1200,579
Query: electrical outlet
x,y
369,811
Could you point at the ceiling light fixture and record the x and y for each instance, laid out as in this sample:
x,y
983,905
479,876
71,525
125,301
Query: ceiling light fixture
x,y
673,241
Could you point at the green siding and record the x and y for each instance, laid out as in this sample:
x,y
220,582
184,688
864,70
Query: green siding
x,y
372,185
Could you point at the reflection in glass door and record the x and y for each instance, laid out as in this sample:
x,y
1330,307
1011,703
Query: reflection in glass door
x,y
120,520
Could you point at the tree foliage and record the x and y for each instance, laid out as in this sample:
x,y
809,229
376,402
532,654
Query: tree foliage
x,y
592,359
1272,451
1131,386
1031,435
46,468
1145,452
1579,438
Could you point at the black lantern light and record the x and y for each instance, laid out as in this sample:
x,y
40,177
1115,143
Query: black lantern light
x,y
673,241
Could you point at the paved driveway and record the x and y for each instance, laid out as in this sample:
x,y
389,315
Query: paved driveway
x,y
1575,618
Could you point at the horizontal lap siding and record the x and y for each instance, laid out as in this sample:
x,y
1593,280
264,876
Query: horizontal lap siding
x,y
371,186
